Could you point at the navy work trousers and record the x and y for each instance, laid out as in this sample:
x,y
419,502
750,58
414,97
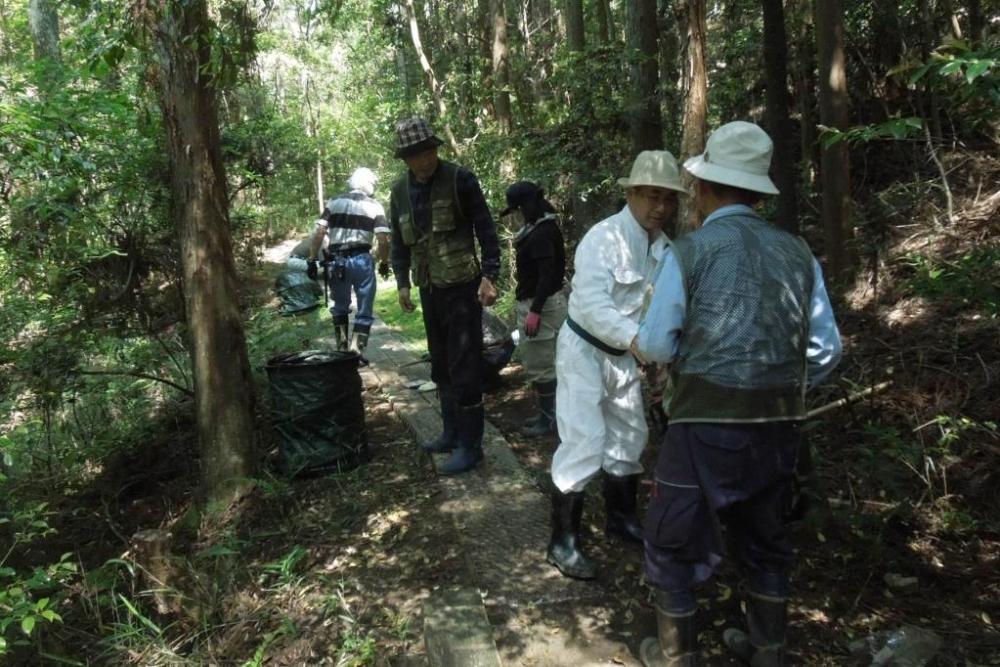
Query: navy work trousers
x,y
453,319
709,475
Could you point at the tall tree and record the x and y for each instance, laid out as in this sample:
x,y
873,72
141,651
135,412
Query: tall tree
x,y
43,19
696,107
573,11
834,165
778,121
501,67
646,130
224,394
432,80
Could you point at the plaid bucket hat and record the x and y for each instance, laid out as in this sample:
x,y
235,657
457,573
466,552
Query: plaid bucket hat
x,y
414,135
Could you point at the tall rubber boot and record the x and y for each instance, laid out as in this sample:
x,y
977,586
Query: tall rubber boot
x,y
620,499
767,620
449,419
566,546
361,333
340,325
676,641
545,423
469,446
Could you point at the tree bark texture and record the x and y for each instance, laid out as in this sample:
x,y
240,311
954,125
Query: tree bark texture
x,y
779,124
645,127
575,39
696,107
224,395
43,19
501,68
834,164
432,81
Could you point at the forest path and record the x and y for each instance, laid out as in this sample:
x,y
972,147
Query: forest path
x,y
501,521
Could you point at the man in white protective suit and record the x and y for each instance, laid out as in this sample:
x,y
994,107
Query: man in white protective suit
x,y
599,405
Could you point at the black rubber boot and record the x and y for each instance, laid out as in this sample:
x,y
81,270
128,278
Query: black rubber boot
x,y
565,547
764,645
361,333
620,499
340,325
676,643
545,423
449,418
469,445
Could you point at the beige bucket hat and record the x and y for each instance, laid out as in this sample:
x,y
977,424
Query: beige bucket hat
x,y
737,154
657,169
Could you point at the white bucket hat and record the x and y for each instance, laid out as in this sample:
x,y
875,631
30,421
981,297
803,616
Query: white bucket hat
x,y
657,169
737,154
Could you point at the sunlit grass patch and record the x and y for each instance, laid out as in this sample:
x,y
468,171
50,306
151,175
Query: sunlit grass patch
x,y
408,325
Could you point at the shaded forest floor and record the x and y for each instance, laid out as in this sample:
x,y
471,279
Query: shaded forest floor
x,y
904,528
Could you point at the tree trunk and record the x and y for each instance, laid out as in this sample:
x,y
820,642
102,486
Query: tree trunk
x,y
224,392
501,68
431,78
604,21
573,12
696,108
805,89
644,106
779,124
834,165
43,18
670,68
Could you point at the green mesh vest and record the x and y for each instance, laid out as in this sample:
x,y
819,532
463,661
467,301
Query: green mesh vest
x,y
444,255
742,354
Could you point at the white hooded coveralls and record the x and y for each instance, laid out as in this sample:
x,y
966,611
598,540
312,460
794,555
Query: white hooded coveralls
x,y
599,407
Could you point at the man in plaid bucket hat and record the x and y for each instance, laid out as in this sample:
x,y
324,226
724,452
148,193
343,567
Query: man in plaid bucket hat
x,y
437,214
740,312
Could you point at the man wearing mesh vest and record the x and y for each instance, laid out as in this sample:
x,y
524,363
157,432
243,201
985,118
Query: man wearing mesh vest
x,y
741,313
437,213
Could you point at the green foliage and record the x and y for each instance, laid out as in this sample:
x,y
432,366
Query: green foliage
x,y
969,77
971,280
28,598
894,128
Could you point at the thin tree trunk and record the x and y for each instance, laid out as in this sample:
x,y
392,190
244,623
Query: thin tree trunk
x,y
670,68
805,85
779,124
573,11
224,393
43,19
501,68
431,78
644,106
835,169
696,108
604,21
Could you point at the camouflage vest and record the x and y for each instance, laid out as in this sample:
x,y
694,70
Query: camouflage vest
x,y
445,254
741,356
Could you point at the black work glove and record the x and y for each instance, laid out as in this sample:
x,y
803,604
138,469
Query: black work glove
x,y
312,270
384,270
